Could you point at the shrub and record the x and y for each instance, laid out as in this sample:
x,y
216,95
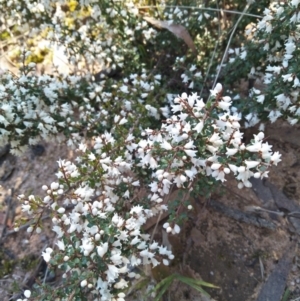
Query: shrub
x,y
126,104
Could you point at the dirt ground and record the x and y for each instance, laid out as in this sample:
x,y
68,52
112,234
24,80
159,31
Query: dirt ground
x,y
230,240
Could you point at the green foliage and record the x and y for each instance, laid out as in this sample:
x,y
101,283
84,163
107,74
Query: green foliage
x,y
161,288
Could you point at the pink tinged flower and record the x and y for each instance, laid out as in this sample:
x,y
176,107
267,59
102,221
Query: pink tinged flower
x,y
101,250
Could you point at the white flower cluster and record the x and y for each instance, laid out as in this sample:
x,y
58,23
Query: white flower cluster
x,y
126,171
110,240
104,225
277,35
28,114
223,139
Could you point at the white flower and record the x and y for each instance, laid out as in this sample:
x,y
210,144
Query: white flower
x,y
112,273
83,283
260,98
189,145
92,157
54,186
251,164
218,88
190,153
27,293
275,158
231,151
198,128
166,145
47,254
101,250
61,245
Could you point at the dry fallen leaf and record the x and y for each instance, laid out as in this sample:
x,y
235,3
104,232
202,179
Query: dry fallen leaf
x,y
177,29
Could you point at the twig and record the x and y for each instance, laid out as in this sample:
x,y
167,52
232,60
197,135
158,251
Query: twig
x,y
262,269
46,274
204,8
257,208
160,214
229,41
156,224
25,226
71,296
213,55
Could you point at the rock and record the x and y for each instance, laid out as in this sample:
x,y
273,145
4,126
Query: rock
x,y
274,287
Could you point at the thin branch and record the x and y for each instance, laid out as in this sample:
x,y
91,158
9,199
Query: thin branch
x,y
204,8
213,55
229,41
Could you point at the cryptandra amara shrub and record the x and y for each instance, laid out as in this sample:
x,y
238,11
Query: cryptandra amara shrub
x,y
136,139
100,203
